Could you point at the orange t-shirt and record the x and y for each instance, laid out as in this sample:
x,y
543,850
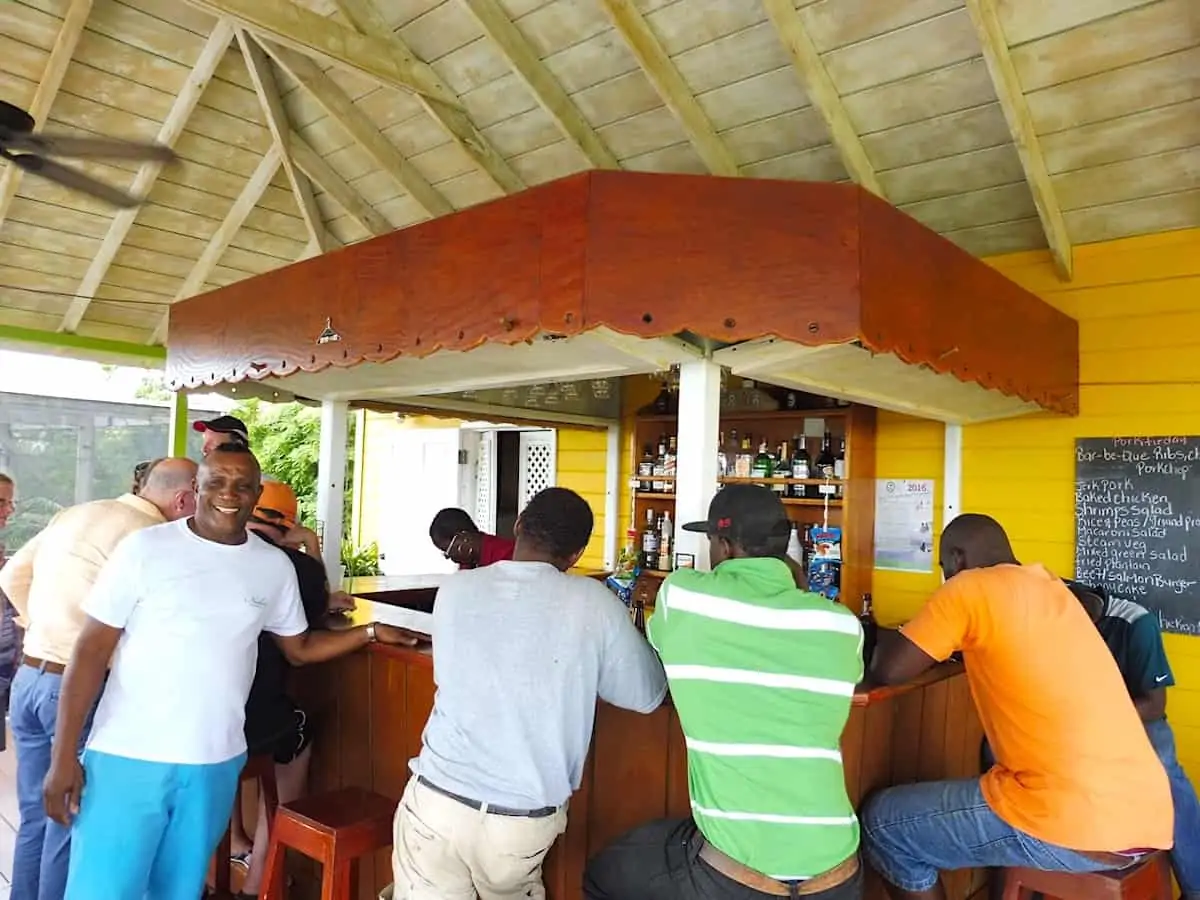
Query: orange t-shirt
x,y
1074,765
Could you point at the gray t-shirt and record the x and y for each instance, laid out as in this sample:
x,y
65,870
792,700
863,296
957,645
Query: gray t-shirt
x,y
521,651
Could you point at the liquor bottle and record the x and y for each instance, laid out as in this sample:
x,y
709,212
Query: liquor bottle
x,y
665,540
722,456
781,469
646,469
763,463
670,465
794,549
801,466
745,458
839,467
870,629
650,542
660,465
825,465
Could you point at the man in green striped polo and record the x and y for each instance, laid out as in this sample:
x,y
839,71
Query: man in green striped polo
x,y
762,673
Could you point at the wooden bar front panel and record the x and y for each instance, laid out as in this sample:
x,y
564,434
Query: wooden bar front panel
x,y
369,709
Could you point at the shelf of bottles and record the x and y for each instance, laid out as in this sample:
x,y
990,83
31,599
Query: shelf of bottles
x,y
797,451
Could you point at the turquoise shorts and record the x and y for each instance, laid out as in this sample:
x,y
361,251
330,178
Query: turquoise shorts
x,y
147,830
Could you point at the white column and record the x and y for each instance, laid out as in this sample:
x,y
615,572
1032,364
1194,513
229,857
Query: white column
x,y
331,484
696,467
612,475
952,474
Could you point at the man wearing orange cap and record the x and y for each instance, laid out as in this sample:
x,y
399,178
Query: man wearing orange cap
x,y
275,723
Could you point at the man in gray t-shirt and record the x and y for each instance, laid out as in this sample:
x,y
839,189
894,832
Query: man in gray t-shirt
x,y
521,652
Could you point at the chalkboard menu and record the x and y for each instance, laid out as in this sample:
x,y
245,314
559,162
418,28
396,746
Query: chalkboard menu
x,y
1137,500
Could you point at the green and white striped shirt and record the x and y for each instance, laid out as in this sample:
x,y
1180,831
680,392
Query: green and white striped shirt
x,y
762,675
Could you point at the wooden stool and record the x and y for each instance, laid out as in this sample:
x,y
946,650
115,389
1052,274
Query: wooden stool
x,y
262,769
1148,880
334,829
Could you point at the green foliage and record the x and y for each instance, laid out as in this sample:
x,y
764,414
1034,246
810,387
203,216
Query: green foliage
x,y
286,438
152,387
359,561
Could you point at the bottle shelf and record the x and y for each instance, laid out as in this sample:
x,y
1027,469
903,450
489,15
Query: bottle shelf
x,y
763,415
787,501
729,479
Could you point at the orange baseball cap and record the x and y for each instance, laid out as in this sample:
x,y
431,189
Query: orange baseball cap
x,y
277,505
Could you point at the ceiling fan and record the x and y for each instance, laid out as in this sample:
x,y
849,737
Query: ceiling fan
x,y
22,147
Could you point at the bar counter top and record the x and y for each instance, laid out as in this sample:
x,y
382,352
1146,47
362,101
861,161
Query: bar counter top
x,y
422,655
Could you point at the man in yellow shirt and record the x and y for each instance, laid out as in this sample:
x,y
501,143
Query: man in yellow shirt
x,y
1076,787
47,581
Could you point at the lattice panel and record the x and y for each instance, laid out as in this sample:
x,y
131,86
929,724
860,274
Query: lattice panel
x,y
485,483
537,463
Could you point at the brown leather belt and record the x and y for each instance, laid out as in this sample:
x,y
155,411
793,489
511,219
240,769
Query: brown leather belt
x,y
757,881
43,664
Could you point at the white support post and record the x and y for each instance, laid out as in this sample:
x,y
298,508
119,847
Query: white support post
x,y
331,484
696,467
952,474
612,476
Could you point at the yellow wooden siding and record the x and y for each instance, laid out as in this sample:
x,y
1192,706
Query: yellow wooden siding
x,y
580,467
907,447
1138,305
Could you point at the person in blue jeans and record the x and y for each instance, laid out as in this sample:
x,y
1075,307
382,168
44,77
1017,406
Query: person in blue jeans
x,y
47,581
1133,636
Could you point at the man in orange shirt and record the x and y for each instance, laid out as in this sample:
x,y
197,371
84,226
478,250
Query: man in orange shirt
x,y
1076,787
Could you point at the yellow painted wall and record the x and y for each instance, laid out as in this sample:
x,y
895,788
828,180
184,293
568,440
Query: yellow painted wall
x,y
907,447
580,467
1138,305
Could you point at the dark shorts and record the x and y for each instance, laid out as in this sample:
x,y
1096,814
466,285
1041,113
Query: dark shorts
x,y
661,861
284,743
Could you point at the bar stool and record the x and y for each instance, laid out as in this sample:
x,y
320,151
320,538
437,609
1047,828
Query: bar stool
x,y
335,829
259,768
1148,880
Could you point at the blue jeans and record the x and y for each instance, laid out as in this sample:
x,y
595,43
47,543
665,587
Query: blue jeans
x,y
43,847
912,832
1185,857
146,830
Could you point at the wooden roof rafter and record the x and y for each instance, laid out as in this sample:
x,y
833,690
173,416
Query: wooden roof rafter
x,y
1007,83
181,110
265,86
288,23
365,16
219,242
822,92
358,125
528,66
633,28
56,69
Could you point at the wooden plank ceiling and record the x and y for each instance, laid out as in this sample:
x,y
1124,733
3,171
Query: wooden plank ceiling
x,y
1002,124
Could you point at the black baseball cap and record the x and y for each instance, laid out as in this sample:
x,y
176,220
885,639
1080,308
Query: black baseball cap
x,y
230,425
746,514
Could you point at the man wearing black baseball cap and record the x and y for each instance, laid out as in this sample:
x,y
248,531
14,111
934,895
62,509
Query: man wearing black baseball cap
x,y
222,430
762,674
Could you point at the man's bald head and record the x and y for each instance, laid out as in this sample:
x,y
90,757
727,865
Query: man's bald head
x,y
974,541
170,484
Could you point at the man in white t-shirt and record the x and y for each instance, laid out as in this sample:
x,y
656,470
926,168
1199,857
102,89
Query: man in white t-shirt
x,y
181,606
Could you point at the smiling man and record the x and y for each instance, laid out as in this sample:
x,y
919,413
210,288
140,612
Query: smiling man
x,y
178,609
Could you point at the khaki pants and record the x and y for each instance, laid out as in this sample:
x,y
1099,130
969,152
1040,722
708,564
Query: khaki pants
x,y
443,850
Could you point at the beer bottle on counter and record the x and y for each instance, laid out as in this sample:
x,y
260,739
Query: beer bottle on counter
x,y
870,629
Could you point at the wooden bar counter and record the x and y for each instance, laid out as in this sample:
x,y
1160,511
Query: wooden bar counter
x,y
369,710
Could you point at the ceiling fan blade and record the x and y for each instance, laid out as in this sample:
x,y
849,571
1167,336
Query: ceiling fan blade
x,y
75,180
86,147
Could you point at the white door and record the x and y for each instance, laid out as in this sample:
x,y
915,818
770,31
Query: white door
x,y
484,502
538,457
424,478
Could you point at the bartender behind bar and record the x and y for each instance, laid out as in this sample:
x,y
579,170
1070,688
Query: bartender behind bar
x,y
460,540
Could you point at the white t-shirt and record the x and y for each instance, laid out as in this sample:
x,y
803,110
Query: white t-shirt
x,y
191,611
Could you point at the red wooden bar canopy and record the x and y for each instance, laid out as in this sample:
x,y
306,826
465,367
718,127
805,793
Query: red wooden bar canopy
x,y
822,287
